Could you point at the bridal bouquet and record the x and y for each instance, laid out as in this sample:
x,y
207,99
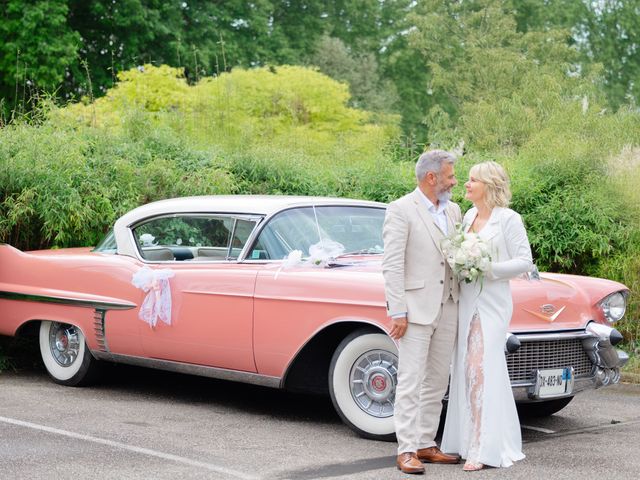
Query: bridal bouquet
x,y
467,254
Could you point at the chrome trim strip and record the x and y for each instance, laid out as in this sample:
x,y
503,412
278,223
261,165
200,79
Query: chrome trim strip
x,y
332,301
192,369
220,294
77,302
536,337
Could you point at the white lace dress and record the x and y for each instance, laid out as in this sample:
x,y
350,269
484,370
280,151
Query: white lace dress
x,y
482,422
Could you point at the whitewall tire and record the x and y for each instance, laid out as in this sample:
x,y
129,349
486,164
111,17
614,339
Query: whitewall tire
x,y
65,354
362,383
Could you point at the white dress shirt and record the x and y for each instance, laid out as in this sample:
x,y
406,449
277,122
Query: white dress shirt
x,y
438,213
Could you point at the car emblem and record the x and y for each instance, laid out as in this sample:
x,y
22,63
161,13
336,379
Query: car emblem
x,y
548,309
379,383
547,312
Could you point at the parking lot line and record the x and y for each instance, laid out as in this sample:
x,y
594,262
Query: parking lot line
x,y
537,429
143,451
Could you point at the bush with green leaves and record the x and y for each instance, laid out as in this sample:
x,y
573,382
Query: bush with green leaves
x,y
63,186
514,95
65,178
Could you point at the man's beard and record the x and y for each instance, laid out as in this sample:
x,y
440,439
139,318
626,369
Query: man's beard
x,y
444,196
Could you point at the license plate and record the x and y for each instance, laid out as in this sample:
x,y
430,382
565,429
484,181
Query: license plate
x,y
554,382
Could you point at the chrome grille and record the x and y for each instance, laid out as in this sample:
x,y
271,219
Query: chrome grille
x,y
536,355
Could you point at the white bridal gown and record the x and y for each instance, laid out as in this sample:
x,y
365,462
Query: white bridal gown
x,y
480,380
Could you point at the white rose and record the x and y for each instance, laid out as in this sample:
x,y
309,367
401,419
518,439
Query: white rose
x,y
460,257
485,264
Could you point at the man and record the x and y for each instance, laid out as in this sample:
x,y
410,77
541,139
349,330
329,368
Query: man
x,y
422,296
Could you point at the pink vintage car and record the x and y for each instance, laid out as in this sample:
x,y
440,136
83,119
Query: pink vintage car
x,y
285,292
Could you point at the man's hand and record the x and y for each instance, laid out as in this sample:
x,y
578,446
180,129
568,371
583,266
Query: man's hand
x,y
398,327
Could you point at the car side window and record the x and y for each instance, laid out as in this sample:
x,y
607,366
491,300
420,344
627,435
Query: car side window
x,y
192,237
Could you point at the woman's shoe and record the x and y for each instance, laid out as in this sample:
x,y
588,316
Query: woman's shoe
x,y
472,467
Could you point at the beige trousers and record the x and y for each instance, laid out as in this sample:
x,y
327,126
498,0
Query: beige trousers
x,y
424,358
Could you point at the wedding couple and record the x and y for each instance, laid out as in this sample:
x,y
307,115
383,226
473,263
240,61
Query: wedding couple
x,y
444,326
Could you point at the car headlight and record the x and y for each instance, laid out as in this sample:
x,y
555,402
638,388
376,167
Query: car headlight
x,y
614,306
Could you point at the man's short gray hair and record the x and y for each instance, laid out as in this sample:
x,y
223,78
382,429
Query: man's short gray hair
x,y
432,161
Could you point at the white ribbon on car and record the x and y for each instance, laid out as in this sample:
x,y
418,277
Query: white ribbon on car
x,y
320,255
157,303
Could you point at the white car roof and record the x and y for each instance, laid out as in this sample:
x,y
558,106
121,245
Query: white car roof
x,y
240,204
243,204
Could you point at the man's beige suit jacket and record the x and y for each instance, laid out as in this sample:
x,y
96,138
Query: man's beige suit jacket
x,y
414,268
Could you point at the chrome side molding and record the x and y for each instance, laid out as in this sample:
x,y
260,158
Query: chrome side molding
x,y
191,369
60,300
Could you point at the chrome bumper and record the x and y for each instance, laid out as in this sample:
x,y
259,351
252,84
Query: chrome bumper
x,y
594,349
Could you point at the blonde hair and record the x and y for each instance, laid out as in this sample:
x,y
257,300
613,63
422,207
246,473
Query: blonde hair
x,y
497,192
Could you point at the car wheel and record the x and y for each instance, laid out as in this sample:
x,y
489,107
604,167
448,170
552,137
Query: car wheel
x,y
65,354
543,409
362,383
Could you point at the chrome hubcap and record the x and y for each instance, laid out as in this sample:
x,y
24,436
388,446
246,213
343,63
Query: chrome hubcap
x,y
373,381
64,343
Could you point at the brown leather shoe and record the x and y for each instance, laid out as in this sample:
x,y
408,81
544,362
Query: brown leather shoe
x,y
434,455
408,463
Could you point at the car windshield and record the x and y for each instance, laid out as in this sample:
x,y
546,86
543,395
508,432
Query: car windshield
x,y
107,244
352,229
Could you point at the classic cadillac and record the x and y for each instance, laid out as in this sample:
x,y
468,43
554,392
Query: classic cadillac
x,y
285,292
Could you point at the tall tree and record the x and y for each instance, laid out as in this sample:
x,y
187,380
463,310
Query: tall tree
x,y
613,40
361,71
202,36
607,33
36,49
477,58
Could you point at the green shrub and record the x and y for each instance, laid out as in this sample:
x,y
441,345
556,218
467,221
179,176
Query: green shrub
x,y
63,187
67,175
625,267
66,178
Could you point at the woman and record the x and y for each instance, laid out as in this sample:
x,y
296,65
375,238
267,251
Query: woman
x,y
482,422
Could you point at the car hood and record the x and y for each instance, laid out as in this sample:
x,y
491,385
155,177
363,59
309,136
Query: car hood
x,y
558,302
555,302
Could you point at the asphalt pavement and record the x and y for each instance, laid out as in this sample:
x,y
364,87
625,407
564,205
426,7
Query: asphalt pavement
x,y
146,424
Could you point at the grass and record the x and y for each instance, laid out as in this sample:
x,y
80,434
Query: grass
x,y
631,371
